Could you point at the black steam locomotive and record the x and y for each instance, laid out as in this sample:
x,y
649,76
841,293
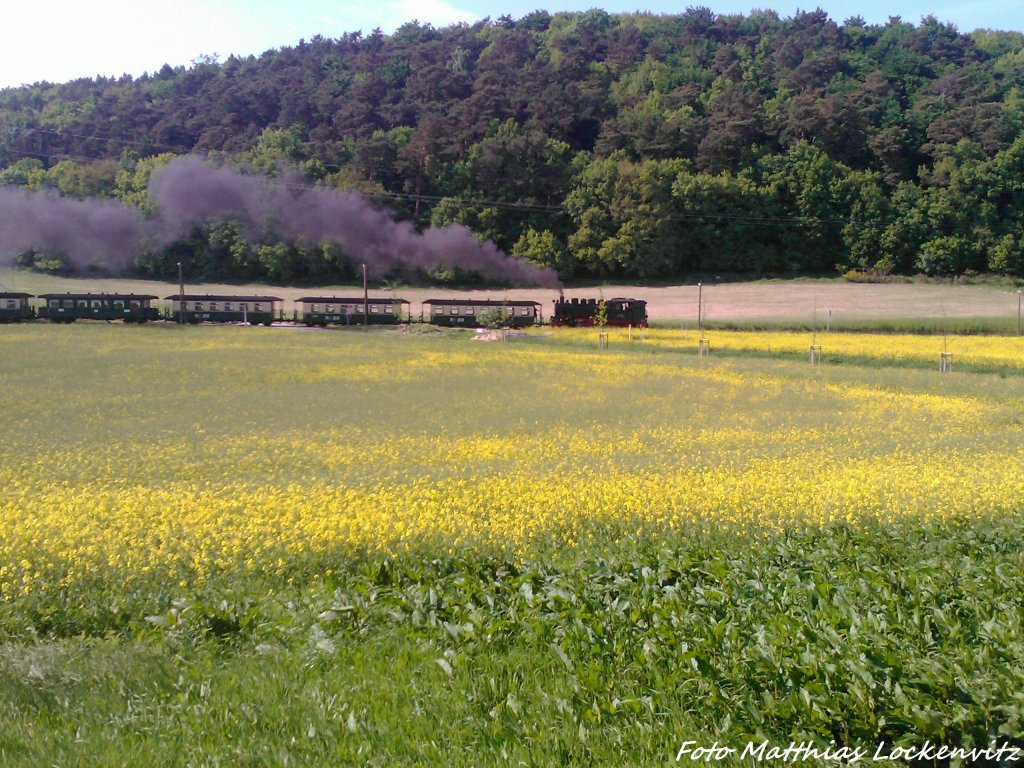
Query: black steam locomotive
x,y
589,312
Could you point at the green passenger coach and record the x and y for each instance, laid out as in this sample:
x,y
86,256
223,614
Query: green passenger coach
x,y
474,312
226,309
15,307
335,310
68,307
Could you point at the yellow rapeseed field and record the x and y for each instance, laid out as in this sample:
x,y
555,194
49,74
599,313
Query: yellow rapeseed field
x,y
968,350
138,452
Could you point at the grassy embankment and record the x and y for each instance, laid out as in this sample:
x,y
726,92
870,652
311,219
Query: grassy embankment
x,y
265,546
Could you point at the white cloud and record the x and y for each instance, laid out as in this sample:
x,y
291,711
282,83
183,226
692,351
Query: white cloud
x,y
435,12
58,41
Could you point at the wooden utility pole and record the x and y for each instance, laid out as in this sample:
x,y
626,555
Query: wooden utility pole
x,y
181,295
700,308
366,302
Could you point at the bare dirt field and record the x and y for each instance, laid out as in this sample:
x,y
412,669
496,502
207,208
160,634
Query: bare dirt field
x,y
789,300
801,300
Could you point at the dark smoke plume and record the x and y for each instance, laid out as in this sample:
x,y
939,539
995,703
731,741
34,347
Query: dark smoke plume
x,y
187,192
100,232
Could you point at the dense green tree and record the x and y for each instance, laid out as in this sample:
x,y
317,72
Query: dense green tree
x,y
811,199
728,222
542,247
628,144
1007,255
83,180
131,185
945,255
865,227
277,149
733,129
626,218
515,180
29,173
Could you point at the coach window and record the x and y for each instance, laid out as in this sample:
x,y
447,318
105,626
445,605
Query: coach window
x,y
327,308
227,306
213,306
257,307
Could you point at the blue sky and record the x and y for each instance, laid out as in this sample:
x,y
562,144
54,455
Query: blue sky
x,y
59,40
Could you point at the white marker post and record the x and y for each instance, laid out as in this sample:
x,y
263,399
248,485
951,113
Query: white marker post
x,y
703,345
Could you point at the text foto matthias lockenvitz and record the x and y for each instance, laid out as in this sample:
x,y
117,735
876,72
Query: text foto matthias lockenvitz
x,y
802,751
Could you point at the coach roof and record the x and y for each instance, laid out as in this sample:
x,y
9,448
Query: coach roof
x,y
115,296
480,303
347,300
216,297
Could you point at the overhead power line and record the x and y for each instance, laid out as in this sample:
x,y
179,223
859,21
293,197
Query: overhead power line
x,y
509,205
24,132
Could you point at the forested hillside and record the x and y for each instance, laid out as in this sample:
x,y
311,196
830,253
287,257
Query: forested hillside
x,y
628,146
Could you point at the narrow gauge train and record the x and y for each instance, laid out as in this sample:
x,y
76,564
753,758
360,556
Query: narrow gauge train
x,y
225,309
585,312
311,310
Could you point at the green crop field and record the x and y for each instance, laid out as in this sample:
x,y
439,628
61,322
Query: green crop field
x,y
274,546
